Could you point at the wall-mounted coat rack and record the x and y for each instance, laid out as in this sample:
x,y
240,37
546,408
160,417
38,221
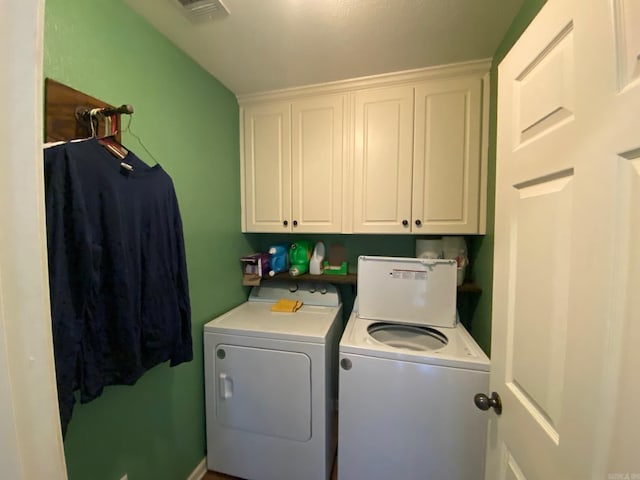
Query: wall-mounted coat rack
x,y
69,114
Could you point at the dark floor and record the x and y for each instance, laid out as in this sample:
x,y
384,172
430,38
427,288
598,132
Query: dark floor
x,y
221,476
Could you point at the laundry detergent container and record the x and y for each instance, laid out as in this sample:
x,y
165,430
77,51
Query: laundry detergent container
x,y
299,256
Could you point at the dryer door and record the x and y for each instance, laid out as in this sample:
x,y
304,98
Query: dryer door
x,y
262,391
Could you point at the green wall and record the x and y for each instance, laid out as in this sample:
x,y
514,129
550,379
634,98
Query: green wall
x,y
482,248
189,122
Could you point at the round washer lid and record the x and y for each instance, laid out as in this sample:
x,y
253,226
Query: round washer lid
x,y
411,337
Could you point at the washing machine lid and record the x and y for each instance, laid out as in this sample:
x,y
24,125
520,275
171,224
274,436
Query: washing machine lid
x,y
311,323
457,348
407,290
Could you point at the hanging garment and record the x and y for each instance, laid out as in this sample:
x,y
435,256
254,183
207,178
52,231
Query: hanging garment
x,y
117,270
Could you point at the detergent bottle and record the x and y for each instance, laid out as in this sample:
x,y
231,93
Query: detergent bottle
x,y
299,257
279,258
315,265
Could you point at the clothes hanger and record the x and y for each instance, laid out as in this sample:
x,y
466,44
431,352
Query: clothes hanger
x,y
110,124
108,140
130,132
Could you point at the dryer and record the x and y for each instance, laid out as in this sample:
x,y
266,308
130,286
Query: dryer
x,y
408,375
271,384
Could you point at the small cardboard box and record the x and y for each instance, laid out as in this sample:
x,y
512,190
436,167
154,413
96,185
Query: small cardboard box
x,y
337,263
254,267
335,269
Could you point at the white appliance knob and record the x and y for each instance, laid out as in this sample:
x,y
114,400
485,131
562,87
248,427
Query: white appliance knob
x,y
323,290
293,287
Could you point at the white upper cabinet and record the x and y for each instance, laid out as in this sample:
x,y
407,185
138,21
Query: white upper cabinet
x,y
398,153
293,160
417,158
267,167
382,158
318,148
447,156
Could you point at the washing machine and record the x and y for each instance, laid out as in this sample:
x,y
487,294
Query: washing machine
x,y
271,384
408,375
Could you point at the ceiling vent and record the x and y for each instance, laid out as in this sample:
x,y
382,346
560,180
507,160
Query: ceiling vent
x,y
198,11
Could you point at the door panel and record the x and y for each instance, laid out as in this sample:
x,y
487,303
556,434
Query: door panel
x,y
446,168
625,422
382,160
513,471
449,204
541,243
267,392
267,168
317,161
544,89
627,19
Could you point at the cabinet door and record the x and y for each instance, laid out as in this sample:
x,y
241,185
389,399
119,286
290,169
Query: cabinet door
x,y
267,167
447,156
316,166
382,152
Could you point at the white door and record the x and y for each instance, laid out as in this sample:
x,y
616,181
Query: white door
x,y
267,168
567,268
447,156
317,152
30,438
383,155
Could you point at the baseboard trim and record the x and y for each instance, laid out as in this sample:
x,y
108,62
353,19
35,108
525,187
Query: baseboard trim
x,y
200,470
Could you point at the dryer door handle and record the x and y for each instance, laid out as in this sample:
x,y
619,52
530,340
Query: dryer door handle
x,y
225,386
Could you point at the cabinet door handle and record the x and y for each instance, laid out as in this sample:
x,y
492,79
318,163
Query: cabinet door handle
x,y
285,223
418,223
405,222
295,223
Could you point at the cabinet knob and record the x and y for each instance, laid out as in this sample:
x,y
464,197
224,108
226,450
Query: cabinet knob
x,y
295,223
285,223
405,222
418,223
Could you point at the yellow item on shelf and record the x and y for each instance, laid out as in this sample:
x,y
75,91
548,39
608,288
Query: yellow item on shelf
x,y
287,306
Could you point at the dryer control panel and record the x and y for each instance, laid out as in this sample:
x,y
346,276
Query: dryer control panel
x,y
319,294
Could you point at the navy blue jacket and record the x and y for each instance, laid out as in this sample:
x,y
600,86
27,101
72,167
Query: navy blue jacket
x,y
117,270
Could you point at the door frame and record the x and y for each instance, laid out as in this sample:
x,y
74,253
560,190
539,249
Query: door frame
x,y
30,433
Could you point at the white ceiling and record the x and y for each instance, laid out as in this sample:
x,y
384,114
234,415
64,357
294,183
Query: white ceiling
x,y
268,45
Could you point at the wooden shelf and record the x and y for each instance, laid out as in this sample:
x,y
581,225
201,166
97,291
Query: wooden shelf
x,y
351,279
